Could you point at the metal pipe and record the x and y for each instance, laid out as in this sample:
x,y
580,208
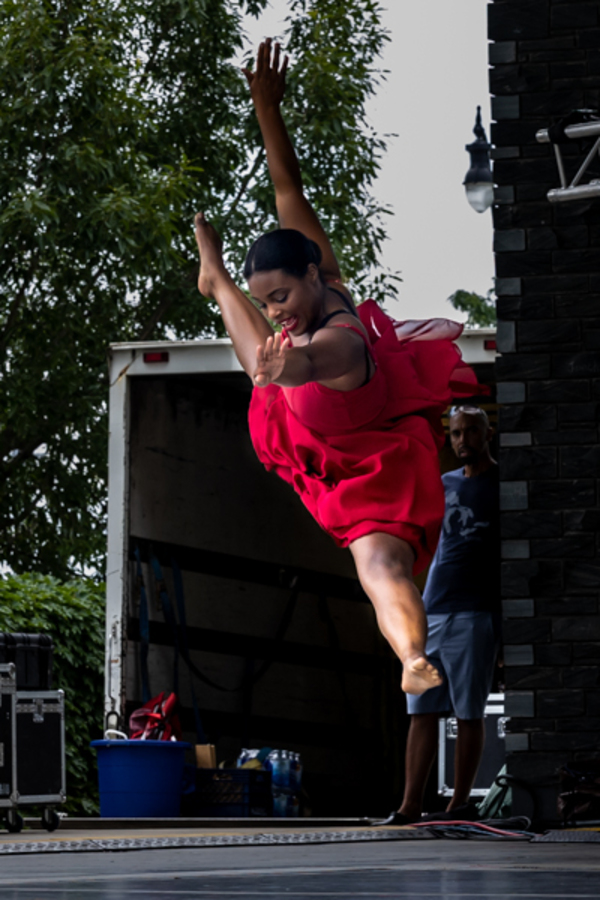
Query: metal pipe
x,y
581,192
575,132
561,168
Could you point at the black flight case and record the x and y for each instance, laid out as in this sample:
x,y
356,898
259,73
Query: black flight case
x,y
32,656
32,750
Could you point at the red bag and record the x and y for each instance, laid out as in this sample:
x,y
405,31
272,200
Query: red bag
x,y
156,720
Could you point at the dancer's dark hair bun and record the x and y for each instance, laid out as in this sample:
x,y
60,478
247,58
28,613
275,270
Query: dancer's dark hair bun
x,y
285,249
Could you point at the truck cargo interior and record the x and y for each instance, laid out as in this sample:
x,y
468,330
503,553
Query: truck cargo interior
x,y
283,641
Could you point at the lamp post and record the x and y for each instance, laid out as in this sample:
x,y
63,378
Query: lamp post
x,y
478,180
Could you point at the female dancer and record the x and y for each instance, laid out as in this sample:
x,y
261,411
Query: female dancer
x,y
345,408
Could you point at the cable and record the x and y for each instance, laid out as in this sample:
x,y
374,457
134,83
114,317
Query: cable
x,y
476,825
513,823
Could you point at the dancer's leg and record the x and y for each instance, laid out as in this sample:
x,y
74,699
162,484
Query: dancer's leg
x,y
245,325
421,747
384,565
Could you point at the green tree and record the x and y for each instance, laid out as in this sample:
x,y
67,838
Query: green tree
x,y
73,615
481,311
120,119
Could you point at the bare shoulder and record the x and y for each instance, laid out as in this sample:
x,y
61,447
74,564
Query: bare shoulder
x,y
338,326
342,332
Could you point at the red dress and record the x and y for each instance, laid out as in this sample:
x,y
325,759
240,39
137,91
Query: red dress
x,y
366,460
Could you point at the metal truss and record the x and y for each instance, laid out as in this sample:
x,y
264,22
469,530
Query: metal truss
x,y
574,190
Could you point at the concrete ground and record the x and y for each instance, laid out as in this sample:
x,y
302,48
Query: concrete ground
x,y
436,869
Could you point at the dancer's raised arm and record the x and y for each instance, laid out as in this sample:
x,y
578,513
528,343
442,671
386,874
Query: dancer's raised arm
x,y
286,270
267,86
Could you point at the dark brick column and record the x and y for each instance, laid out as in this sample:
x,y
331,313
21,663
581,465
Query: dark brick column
x,y
545,59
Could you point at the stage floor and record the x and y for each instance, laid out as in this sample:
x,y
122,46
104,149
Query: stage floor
x,y
335,861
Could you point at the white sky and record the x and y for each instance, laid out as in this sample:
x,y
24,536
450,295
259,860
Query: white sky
x,y
437,59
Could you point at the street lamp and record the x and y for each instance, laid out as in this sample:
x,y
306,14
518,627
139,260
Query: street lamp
x,y
478,180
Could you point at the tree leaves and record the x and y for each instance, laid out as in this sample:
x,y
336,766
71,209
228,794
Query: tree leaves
x,y
118,121
481,311
73,615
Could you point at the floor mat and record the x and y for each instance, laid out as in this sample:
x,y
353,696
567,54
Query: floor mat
x,y
568,837
225,840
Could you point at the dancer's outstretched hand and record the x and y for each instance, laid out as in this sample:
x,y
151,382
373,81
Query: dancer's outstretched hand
x,y
270,359
267,83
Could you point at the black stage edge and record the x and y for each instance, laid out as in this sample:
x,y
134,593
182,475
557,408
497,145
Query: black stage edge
x,y
102,824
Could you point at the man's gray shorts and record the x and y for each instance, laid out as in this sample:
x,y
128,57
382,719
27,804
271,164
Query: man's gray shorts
x,y
463,647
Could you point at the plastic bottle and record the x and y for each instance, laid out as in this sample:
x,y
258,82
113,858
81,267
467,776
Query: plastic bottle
x,y
286,773
293,806
295,771
280,804
280,767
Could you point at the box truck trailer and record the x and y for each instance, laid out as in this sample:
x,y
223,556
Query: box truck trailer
x,y
215,562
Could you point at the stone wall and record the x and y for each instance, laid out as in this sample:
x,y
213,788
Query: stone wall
x,y
545,62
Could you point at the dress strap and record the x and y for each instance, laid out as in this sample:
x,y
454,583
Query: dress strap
x,y
336,312
344,300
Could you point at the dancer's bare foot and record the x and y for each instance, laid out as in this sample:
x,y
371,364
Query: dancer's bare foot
x,y
211,256
419,675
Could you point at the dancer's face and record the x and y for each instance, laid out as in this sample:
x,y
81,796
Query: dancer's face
x,y
293,303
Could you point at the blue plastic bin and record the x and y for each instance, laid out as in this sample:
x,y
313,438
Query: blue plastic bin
x,y
140,779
